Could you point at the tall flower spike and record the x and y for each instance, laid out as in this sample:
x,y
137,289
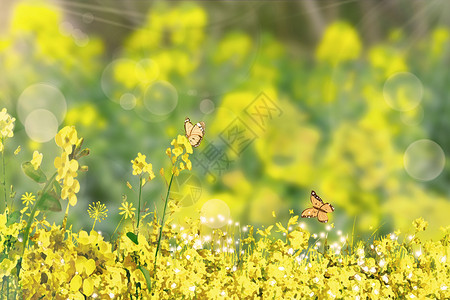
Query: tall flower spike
x,y
6,127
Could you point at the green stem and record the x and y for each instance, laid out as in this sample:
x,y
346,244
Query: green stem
x,y
33,212
139,203
93,224
116,228
162,223
4,174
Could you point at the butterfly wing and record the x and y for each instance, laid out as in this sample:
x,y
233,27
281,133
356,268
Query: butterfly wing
x,y
188,127
194,133
327,207
310,213
322,216
315,200
195,140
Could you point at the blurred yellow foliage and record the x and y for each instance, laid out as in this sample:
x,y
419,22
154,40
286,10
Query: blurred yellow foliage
x,y
340,43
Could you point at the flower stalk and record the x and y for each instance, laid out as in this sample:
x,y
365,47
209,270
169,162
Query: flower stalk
x,y
139,203
162,222
4,175
33,211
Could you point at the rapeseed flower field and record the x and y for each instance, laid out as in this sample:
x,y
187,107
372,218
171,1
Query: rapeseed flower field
x,y
169,149
154,258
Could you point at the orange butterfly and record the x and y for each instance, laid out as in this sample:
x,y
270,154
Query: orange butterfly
x,y
318,210
194,133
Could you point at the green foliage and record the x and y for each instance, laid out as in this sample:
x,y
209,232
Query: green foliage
x,y
49,201
36,175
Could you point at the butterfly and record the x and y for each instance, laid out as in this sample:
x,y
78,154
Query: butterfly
x,y
318,210
194,133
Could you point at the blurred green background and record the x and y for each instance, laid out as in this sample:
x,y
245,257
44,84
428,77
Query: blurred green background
x,y
347,98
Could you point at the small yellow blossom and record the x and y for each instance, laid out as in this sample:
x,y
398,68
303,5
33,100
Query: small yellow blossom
x,y
420,224
182,140
69,192
66,138
127,210
66,168
169,152
97,211
28,199
185,158
37,159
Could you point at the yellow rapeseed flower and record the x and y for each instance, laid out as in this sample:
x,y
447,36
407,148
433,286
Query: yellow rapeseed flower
x,y
6,127
141,166
66,138
69,191
97,211
37,159
420,224
28,198
66,168
127,210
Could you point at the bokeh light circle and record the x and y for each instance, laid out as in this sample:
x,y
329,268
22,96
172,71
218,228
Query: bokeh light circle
x,y
147,70
216,212
88,18
403,91
81,38
207,106
116,79
424,160
66,28
160,98
41,125
128,101
42,96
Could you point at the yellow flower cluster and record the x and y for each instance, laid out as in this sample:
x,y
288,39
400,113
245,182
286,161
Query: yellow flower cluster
x,y
6,127
180,148
67,164
37,160
141,167
227,264
9,245
340,43
81,265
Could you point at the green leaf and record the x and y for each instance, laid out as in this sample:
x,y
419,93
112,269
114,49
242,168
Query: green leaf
x,y
57,187
36,175
132,237
49,201
13,218
146,274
